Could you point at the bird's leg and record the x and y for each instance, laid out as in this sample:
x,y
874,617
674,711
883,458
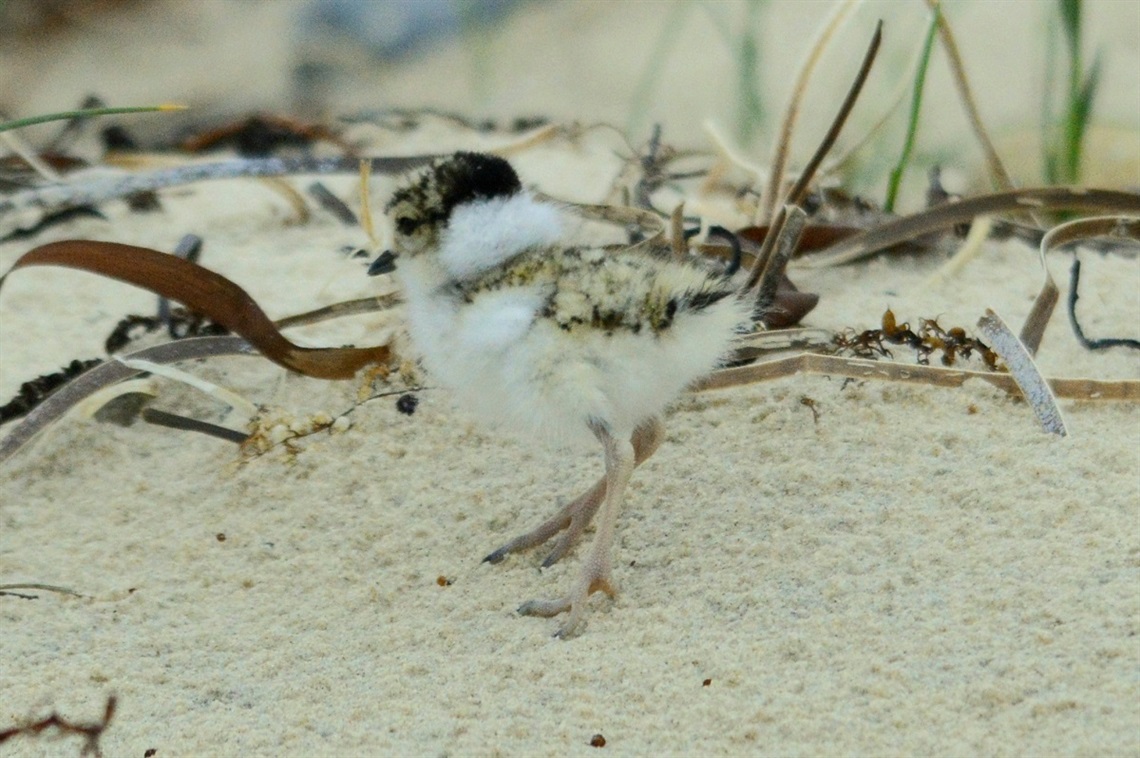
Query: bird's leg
x,y
595,575
576,515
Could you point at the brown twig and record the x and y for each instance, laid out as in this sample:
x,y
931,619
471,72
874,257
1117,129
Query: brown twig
x,y
91,732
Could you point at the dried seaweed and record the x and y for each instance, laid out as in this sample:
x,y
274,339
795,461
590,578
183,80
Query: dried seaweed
x,y
952,343
260,135
31,393
179,322
204,291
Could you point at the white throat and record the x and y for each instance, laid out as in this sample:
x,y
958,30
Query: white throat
x,y
486,233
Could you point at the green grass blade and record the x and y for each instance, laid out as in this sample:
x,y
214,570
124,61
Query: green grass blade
x,y
1071,21
749,110
1077,123
85,113
915,108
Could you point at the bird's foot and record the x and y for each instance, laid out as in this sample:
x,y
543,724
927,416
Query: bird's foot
x,y
571,520
593,578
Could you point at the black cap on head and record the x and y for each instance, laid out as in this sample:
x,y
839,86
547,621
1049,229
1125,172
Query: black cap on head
x,y
450,182
474,176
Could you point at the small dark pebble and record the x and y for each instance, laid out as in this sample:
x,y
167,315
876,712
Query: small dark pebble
x,y
221,536
150,751
597,741
706,682
406,404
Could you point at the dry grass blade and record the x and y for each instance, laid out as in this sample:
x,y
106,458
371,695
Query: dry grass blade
x,y
970,249
1033,330
184,423
206,292
780,150
948,215
28,155
791,229
340,310
89,385
221,394
366,222
1024,371
1108,227
998,173
649,222
106,374
333,204
22,210
7,588
862,368
795,195
756,344
677,232
1059,236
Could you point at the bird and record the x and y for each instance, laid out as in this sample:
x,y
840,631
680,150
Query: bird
x,y
567,343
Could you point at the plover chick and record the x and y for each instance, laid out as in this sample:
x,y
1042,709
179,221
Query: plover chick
x,y
553,340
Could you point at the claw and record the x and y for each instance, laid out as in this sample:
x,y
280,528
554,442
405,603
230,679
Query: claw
x,y
497,556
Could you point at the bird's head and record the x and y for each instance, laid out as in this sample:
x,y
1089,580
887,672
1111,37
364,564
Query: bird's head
x,y
421,209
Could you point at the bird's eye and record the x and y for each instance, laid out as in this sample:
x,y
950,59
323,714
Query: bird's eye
x,y
406,225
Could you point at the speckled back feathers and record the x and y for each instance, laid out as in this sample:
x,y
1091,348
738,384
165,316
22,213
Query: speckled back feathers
x,y
599,289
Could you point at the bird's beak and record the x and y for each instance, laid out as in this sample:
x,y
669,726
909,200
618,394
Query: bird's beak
x,y
385,263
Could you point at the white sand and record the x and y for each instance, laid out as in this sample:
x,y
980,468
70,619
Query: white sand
x,y
923,571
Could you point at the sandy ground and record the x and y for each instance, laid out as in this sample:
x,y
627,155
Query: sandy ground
x,y
917,571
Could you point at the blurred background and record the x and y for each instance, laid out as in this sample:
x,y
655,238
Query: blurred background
x,y
682,63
